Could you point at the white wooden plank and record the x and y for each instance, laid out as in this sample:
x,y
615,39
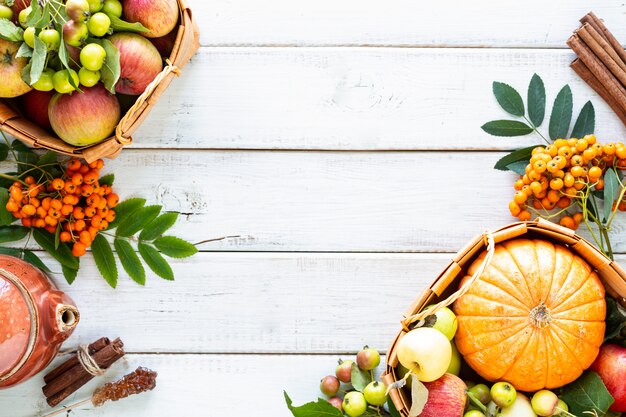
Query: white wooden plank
x,y
533,23
258,302
354,98
195,385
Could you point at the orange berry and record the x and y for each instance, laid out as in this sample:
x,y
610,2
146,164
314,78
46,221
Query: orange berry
x,y
609,149
535,187
90,177
77,179
620,152
27,221
93,200
78,213
93,165
595,172
93,232
534,175
51,229
565,152
552,150
599,184
12,206
571,192
67,209
568,180
29,180
110,216
524,215
577,171
514,208
589,154
58,184
74,164
86,190
556,184
113,200
561,162
568,222
520,197
85,238
539,166
578,217
84,169
50,221
549,205
576,160
70,187
90,211
39,223
571,142
79,249
16,194
28,210
518,185
56,204
553,196
96,220
103,225
100,163
599,149
105,210
101,204
581,145
42,212
80,225
591,138
65,236
579,185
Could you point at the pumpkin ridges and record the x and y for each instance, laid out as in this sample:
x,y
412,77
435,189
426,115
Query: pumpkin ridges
x,y
599,303
589,331
563,375
578,270
565,259
581,296
581,349
469,341
527,372
493,276
525,257
498,264
475,290
525,298
532,300
544,339
546,266
475,304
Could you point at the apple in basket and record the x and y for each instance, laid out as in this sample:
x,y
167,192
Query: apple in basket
x,y
11,68
611,366
426,352
18,6
82,119
446,397
140,62
159,16
35,105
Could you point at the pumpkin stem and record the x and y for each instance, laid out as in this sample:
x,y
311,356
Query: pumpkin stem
x,y
540,316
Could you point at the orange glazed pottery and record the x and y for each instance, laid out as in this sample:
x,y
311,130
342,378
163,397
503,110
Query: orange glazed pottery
x,y
35,319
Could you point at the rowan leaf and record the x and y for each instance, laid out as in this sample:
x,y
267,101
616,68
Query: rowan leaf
x,y
105,260
137,220
586,121
156,261
506,128
130,261
536,100
561,115
175,247
508,98
63,254
158,226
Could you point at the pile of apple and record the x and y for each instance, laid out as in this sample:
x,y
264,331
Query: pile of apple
x,y
98,54
430,355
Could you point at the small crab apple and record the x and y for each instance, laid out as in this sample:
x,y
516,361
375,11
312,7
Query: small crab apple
x,y
329,385
481,392
474,413
375,393
503,394
446,321
344,371
336,402
544,402
354,404
368,358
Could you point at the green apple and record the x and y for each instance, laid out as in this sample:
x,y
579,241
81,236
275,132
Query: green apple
x,y
544,402
29,36
446,321
561,406
520,408
45,81
503,394
354,404
375,393
455,361
426,352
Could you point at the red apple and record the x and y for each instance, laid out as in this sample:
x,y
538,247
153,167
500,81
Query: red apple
x,y
159,16
85,118
611,366
165,44
17,7
11,68
446,397
140,62
35,107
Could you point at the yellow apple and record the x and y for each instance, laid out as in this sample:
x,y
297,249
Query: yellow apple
x,y
11,68
520,408
426,352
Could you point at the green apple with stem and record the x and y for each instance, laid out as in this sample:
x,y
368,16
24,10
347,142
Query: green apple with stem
x,y
446,321
426,352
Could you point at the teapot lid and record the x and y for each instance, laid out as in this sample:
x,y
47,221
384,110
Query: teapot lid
x,y
17,326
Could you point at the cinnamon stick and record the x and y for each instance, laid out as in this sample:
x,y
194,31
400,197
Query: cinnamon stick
x,y
598,25
604,51
598,69
73,361
583,72
74,378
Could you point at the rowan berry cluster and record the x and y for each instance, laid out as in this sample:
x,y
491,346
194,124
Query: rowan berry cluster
x,y
562,172
76,204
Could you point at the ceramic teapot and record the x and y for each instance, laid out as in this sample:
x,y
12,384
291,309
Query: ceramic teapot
x,y
35,319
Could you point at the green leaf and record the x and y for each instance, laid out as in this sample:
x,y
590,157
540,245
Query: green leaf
x,y
19,146
64,57
6,218
508,98
536,100
110,72
175,247
519,155
130,261
393,411
158,226
125,209
586,121
25,51
359,378
137,221
119,25
587,394
13,233
10,31
506,128
611,192
33,259
615,321
57,236
69,274
107,179
105,260
321,408
518,167
63,254
38,62
17,253
155,261
561,114
35,15
47,158
4,151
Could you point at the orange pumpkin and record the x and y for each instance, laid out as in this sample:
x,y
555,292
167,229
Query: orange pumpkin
x,y
535,317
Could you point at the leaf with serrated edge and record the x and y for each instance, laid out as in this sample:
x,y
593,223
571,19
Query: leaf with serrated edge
x,y
119,25
11,252
137,221
321,408
536,100
105,260
130,261
156,262
419,396
13,233
507,128
6,217
125,209
10,31
518,155
107,179
33,259
69,274
111,70
25,51
63,254
508,98
518,167
561,115
175,247
359,378
158,226
586,121
611,192
587,394
38,62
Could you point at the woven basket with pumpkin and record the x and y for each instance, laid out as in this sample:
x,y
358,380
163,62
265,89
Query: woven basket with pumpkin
x,y
530,304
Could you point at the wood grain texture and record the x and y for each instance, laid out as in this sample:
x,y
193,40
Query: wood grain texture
x,y
354,99
481,23
195,386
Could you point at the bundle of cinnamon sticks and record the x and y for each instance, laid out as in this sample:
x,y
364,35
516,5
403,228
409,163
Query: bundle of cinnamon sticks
x,y
71,375
601,62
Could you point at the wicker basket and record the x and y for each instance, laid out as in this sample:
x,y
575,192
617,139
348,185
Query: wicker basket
x,y
186,45
611,274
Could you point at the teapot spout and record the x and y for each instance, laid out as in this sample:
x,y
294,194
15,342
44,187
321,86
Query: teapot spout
x,y
66,318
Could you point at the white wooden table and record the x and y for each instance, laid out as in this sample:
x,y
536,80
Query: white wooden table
x,y
342,140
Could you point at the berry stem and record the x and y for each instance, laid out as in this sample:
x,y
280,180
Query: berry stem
x,y
14,179
536,130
